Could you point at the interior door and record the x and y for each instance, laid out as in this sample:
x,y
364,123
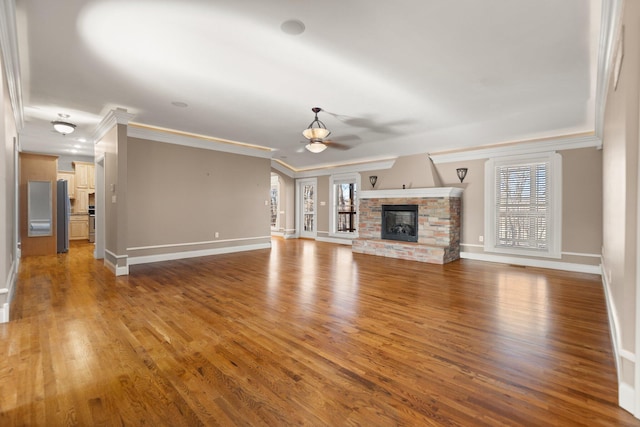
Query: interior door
x,y
307,207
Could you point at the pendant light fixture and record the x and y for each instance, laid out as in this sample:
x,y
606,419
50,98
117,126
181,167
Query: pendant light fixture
x,y
315,133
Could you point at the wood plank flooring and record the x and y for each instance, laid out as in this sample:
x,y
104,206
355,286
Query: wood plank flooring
x,y
306,333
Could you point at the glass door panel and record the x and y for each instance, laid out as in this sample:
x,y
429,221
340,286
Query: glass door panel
x,y
307,203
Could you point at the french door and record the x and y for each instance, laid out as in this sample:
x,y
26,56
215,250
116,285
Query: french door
x,y
306,207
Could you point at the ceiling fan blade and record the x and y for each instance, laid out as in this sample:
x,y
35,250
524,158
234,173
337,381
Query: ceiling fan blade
x,y
337,145
347,137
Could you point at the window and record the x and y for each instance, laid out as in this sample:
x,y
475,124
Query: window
x,y
344,205
523,205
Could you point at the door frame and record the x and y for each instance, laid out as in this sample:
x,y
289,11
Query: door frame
x,y
100,231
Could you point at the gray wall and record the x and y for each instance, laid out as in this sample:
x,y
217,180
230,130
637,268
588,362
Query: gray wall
x,y
65,163
179,197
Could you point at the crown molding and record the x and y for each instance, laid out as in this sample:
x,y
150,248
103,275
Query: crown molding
x,y
118,116
11,59
332,170
169,136
357,167
610,25
280,167
531,147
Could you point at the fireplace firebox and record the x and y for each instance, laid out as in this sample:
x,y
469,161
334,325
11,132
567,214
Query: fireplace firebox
x,y
400,222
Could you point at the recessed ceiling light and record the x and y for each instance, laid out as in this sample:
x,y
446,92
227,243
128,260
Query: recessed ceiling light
x,y
293,27
77,146
74,151
179,104
82,140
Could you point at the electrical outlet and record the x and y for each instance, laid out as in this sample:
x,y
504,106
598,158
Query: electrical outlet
x,y
216,235
481,239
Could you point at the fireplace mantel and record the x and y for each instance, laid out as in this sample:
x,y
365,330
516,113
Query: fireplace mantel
x,y
411,192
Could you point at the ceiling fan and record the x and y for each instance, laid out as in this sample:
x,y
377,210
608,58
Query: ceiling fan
x,y
316,134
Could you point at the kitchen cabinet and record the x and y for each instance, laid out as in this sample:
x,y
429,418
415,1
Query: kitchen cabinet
x,y
81,202
82,174
84,186
79,227
70,177
91,172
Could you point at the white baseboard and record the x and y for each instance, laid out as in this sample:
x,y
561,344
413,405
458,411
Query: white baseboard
x,y
4,313
118,271
626,397
9,291
334,240
530,262
122,271
626,392
285,234
612,313
133,260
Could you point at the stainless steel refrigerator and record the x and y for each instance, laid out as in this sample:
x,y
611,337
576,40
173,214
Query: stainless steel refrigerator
x,y
63,211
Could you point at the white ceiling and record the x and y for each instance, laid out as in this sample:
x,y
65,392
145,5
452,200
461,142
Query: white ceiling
x,y
393,78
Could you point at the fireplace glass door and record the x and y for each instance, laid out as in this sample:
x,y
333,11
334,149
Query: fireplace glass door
x,y
400,222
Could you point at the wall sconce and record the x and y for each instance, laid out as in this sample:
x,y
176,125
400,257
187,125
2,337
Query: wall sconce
x,y
462,172
373,179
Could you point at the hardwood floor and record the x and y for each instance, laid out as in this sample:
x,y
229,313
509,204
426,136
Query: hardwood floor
x,y
305,333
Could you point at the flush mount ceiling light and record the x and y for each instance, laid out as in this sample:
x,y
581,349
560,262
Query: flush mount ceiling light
x,y
320,131
62,126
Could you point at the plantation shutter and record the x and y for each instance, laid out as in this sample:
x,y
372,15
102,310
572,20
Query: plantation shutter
x,y
522,206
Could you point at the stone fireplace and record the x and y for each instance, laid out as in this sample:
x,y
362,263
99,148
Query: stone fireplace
x,y
437,218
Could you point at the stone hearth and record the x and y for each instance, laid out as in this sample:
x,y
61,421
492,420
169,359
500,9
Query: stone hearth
x,y
438,224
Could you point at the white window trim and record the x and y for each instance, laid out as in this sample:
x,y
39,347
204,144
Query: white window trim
x,y
343,178
554,230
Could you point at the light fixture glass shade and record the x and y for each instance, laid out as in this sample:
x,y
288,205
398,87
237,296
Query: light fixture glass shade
x,y
315,133
462,173
63,127
316,147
